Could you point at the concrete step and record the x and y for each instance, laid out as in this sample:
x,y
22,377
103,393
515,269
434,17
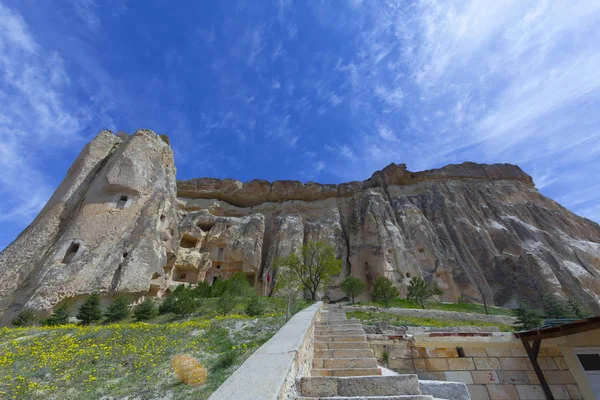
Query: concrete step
x,y
341,338
342,345
337,328
444,390
340,333
343,332
343,353
338,322
331,386
345,371
368,362
402,397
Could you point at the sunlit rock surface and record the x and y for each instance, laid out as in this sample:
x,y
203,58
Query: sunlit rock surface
x,y
121,223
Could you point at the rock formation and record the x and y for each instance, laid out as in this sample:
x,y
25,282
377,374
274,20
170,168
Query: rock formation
x,y
109,227
120,223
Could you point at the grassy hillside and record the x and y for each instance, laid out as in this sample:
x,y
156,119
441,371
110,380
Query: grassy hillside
x,y
460,307
131,359
120,360
371,318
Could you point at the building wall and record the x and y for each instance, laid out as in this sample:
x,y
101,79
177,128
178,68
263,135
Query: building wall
x,y
493,367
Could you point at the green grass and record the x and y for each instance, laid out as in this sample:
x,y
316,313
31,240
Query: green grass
x,y
459,307
130,359
372,318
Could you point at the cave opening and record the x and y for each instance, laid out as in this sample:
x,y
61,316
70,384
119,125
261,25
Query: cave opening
x,y
71,253
121,202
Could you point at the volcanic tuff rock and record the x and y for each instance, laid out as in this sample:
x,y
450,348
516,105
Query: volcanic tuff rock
x,y
109,227
120,224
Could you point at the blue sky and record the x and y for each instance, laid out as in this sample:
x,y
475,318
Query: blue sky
x,y
328,91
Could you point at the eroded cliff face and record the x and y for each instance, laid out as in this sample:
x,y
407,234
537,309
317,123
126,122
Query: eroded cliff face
x,y
477,230
108,228
120,223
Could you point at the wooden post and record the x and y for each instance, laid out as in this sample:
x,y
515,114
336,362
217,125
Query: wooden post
x,y
532,353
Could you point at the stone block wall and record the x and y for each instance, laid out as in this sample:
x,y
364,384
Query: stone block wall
x,y
491,373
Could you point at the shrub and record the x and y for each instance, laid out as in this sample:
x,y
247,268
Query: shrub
x,y
202,290
385,356
577,309
384,291
239,286
353,286
225,360
60,316
420,291
218,288
527,319
25,318
90,310
167,304
118,309
255,306
226,303
185,303
145,310
556,308
188,370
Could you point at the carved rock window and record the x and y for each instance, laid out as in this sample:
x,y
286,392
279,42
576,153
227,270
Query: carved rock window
x,y
71,253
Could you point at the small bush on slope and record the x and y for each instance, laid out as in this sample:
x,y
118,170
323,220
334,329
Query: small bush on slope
x,y
25,318
527,319
255,306
60,316
145,310
384,291
90,310
226,303
118,309
353,286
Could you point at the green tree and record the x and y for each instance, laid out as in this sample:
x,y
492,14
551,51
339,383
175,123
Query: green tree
x,y
145,310
527,319
255,306
90,310
239,286
118,309
287,284
25,318
420,291
60,316
577,309
218,288
353,286
384,291
556,308
202,290
185,303
313,266
226,303
167,304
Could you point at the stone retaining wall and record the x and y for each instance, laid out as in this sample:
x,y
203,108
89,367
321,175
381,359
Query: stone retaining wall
x,y
271,372
491,373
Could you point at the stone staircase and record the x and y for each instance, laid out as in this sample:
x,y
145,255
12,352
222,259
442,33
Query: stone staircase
x,y
344,367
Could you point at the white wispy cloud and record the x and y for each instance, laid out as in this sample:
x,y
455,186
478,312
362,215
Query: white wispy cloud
x,y
86,10
515,81
35,118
